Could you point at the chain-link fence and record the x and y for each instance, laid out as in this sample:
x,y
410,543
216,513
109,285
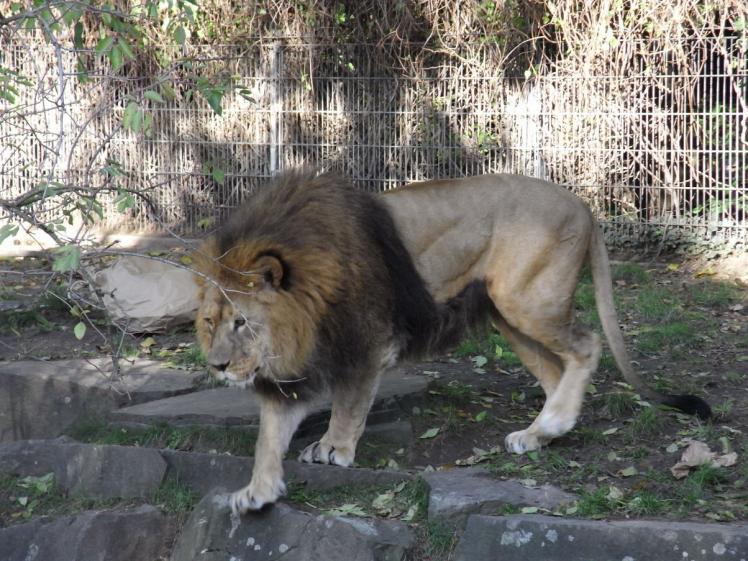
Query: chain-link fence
x,y
652,152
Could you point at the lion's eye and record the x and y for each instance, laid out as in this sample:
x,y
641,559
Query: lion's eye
x,y
239,322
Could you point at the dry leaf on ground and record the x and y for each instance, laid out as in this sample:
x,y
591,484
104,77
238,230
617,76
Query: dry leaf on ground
x,y
698,453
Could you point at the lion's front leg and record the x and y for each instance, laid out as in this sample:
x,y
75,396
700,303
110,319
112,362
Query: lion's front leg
x,y
350,406
278,422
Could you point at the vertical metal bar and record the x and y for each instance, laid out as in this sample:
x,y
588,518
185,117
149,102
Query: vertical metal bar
x,y
276,107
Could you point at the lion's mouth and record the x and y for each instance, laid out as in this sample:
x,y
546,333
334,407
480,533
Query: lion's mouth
x,y
237,380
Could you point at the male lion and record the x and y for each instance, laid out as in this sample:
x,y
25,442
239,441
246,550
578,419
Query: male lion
x,y
313,287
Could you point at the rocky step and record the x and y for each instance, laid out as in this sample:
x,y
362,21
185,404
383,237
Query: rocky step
x,y
142,533
241,407
544,538
285,532
42,399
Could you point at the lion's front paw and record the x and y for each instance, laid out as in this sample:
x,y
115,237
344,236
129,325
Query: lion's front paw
x,y
256,495
522,441
323,453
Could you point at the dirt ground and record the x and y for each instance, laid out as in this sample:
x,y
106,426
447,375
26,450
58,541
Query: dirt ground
x,y
686,330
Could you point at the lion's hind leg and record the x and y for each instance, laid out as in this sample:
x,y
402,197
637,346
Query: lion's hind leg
x,y
350,406
579,353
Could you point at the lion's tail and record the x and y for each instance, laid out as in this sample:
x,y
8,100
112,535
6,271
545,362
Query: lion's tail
x,y
468,312
606,310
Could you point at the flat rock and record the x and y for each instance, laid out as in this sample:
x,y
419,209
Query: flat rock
x,y
280,531
203,472
41,399
141,533
87,469
238,407
543,538
455,493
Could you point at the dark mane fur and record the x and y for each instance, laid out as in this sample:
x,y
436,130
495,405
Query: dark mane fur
x,y
342,253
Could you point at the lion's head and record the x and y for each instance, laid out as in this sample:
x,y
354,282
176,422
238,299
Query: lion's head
x,y
255,317
268,278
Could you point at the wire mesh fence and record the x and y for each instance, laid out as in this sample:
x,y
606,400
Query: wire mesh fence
x,y
652,151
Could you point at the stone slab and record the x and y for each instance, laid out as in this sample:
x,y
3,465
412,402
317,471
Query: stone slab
x,y
239,407
41,399
203,472
280,531
86,469
458,492
543,538
141,533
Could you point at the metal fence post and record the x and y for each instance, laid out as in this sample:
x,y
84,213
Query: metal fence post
x,y
276,108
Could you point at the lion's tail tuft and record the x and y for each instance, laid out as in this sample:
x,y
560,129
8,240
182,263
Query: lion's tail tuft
x,y
689,404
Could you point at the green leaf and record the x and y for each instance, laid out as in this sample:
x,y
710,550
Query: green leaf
x,y
431,433
480,361
628,472
480,417
124,201
219,176
126,49
349,509
68,258
79,330
104,45
116,58
529,509
78,35
153,96
8,231
180,35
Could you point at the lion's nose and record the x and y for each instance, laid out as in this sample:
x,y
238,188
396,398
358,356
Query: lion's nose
x,y
220,367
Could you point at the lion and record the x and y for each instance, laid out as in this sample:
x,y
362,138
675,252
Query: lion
x,y
314,288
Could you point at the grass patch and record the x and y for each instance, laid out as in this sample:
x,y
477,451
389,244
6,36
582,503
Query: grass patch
x,y
15,321
437,541
645,503
596,504
646,423
713,294
664,337
239,442
190,358
174,497
493,347
695,488
619,404
632,273
584,299
22,498
407,500
657,304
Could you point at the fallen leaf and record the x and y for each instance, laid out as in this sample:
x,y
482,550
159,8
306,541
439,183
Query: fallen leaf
x,y
610,431
697,454
672,448
431,433
627,472
706,272
614,493
529,509
673,267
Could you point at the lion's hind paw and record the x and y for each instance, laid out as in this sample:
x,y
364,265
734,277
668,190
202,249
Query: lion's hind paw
x,y
323,453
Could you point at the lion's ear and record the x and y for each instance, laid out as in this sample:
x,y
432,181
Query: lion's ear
x,y
271,269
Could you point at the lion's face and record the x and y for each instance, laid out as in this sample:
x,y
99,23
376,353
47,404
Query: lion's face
x,y
235,335
249,323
